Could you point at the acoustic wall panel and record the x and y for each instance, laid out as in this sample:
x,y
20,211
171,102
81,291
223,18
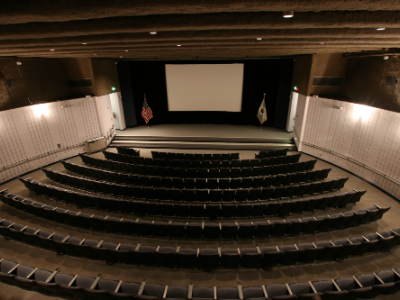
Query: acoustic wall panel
x,y
37,135
361,139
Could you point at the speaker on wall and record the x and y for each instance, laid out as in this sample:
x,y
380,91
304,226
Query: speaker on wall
x,y
11,83
391,80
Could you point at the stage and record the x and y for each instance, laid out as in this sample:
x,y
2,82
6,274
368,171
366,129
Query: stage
x,y
204,136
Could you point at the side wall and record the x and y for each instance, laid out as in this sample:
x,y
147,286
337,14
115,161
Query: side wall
x,y
40,80
301,73
37,135
361,139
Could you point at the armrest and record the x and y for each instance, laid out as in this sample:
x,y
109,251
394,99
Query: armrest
x,y
239,284
140,292
52,275
190,290
94,284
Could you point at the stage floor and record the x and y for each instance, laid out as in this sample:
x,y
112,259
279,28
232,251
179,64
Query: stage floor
x,y
204,136
207,132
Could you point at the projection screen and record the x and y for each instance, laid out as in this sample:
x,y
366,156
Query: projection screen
x,y
204,87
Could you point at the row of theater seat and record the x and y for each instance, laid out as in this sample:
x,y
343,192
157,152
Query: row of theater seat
x,y
239,195
206,259
244,163
198,210
199,183
207,230
197,156
199,172
271,153
83,287
128,151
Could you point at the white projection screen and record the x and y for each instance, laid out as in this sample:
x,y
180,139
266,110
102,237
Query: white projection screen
x,y
204,87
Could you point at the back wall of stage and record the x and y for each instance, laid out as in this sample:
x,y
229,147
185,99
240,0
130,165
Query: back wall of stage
x,y
270,76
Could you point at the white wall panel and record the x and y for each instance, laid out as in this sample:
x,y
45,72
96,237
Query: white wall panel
x,y
104,110
361,139
29,136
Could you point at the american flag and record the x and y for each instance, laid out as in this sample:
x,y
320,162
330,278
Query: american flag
x,y
147,114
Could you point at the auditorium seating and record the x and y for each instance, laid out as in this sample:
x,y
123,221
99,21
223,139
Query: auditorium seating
x,y
207,230
128,151
189,195
188,170
195,156
185,210
271,153
213,178
209,191
206,259
233,163
55,283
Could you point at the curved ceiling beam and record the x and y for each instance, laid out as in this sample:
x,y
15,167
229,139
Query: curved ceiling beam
x,y
331,33
359,19
233,43
15,12
183,51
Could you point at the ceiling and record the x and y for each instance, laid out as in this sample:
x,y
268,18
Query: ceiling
x,y
203,28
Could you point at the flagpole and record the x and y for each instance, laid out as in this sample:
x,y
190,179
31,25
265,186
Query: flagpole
x,y
261,123
148,126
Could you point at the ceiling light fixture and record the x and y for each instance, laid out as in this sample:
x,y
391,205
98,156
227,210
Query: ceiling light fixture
x,y
322,43
153,32
288,14
126,50
386,57
121,57
95,54
178,45
259,39
51,49
84,43
381,28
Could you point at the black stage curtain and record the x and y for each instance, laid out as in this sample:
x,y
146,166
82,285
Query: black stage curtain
x,y
284,89
128,101
148,77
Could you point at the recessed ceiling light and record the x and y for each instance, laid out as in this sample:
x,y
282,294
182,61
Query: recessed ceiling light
x,y
51,49
126,50
288,14
84,43
381,28
259,39
153,32
179,45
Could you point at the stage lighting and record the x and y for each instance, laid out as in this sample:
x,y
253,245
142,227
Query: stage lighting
x,y
288,14
178,45
381,28
19,63
84,43
40,110
295,88
153,32
52,50
362,112
386,57
259,39
113,88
